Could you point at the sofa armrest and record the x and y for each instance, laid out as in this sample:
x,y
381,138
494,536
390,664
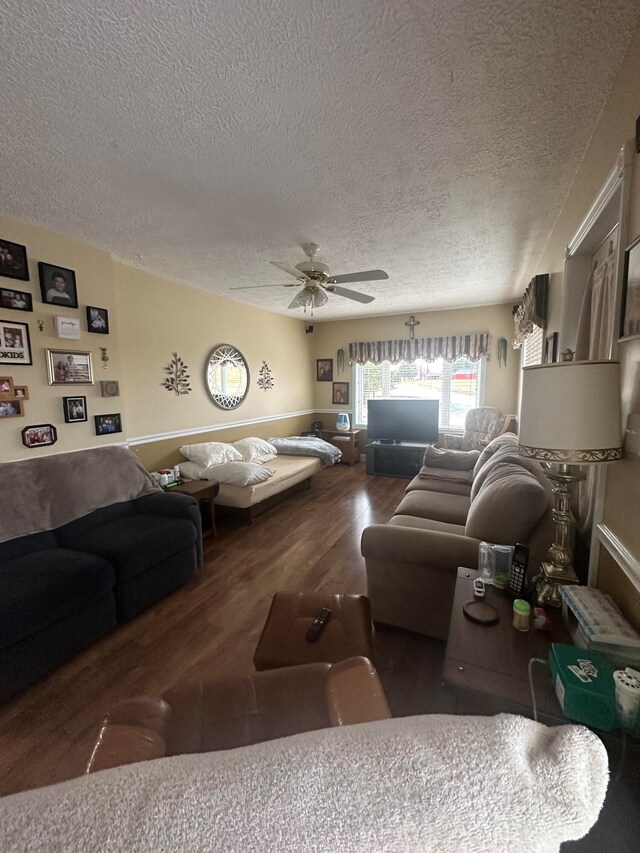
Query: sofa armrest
x,y
174,505
355,694
135,730
444,551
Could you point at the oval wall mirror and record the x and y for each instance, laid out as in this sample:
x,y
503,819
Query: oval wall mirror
x,y
226,376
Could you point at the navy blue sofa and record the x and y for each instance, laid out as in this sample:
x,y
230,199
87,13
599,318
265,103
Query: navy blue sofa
x,y
63,589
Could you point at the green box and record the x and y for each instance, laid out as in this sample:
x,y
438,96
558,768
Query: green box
x,y
583,681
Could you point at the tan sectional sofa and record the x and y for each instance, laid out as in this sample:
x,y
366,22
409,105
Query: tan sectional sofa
x,y
457,500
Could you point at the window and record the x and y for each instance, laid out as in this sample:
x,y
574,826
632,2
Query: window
x,y
457,385
532,347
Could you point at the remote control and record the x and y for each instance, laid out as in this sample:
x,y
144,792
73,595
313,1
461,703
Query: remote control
x,y
518,571
318,624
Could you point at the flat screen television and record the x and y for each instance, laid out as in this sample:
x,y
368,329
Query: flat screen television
x,y
403,420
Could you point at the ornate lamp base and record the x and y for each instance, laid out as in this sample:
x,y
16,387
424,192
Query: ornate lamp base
x,y
558,569
549,582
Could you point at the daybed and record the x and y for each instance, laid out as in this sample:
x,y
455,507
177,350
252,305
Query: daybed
x,y
414,783
87,541
493,495
255,474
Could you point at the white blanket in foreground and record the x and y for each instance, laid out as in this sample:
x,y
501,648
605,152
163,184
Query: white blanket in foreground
x,y
433,783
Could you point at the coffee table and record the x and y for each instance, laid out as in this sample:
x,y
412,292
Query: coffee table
x,y
492,660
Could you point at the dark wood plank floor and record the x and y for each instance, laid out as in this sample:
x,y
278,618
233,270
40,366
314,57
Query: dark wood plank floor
x,y
210,627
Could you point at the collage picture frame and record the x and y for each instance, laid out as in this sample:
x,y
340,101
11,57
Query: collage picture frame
x,y
15,343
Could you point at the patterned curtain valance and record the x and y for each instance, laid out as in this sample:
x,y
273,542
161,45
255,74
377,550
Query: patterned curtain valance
x,y
450,348
532,311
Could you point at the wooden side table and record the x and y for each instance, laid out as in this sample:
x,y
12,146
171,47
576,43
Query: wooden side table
x,y
493,660
350,447
204,491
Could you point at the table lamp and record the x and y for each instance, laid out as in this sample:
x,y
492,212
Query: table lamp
x,y
569,415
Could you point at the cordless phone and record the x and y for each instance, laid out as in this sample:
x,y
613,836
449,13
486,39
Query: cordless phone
x,y
517,581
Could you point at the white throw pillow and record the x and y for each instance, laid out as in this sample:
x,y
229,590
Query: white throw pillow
x,y
255,449
192,471
239,473
210,453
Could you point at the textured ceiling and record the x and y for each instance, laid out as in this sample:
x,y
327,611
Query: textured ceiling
x,y
435,140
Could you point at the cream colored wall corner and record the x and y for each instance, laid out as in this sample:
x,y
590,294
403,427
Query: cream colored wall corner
x,y
94,282
616,125
157,317
150,318
501,386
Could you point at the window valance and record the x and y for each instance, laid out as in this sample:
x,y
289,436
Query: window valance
x,y
449,348
532,311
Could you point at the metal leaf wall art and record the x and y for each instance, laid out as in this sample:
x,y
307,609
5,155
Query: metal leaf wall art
x,y
177,379
265,379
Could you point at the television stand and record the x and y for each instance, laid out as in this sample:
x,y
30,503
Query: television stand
x,y
395,460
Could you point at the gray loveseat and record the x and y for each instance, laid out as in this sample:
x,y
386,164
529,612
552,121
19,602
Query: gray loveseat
x,y
457,500
87,541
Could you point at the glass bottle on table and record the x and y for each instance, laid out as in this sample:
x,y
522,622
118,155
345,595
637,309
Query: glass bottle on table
x,y
485,562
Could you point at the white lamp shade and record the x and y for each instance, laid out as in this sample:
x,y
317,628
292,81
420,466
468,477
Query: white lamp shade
x,y
570,412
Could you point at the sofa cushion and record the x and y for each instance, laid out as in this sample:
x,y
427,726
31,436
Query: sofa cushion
x,y
40,589
453,460
444,475
505,453
136,543
23,545
508,506
443,486
426,524
434,505
507,439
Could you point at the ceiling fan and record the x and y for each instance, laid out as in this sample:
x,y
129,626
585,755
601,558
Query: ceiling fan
x,y
316,282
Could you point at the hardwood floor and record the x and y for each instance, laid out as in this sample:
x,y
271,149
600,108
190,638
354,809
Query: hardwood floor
x,y
205,629
210,628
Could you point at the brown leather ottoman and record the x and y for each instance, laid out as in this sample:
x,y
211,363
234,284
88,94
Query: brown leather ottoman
x,y
348,633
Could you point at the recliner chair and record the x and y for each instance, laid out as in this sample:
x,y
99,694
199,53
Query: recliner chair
x,y
231,712
481,425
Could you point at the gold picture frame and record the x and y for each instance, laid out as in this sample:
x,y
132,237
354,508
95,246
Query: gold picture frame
x,y
69,367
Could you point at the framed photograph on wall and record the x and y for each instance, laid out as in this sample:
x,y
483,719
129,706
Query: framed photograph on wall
x,y
324,369
97,320
58,285
17,300
13,260
75,409
630,320
11,409
15,346
551,349
340,392
39,435
106,424
69,367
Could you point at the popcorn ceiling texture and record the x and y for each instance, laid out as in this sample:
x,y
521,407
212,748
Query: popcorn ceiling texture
x,y
199,139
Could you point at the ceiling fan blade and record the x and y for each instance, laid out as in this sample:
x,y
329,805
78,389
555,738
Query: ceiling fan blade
x,y
301,276
367,275
252,286
351,294
294,302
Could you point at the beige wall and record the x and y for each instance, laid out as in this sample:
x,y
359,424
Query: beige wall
x,y
616,125
94,281
156,318
150,318
501,382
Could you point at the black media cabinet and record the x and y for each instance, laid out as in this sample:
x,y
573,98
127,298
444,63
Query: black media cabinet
x,y
395,460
